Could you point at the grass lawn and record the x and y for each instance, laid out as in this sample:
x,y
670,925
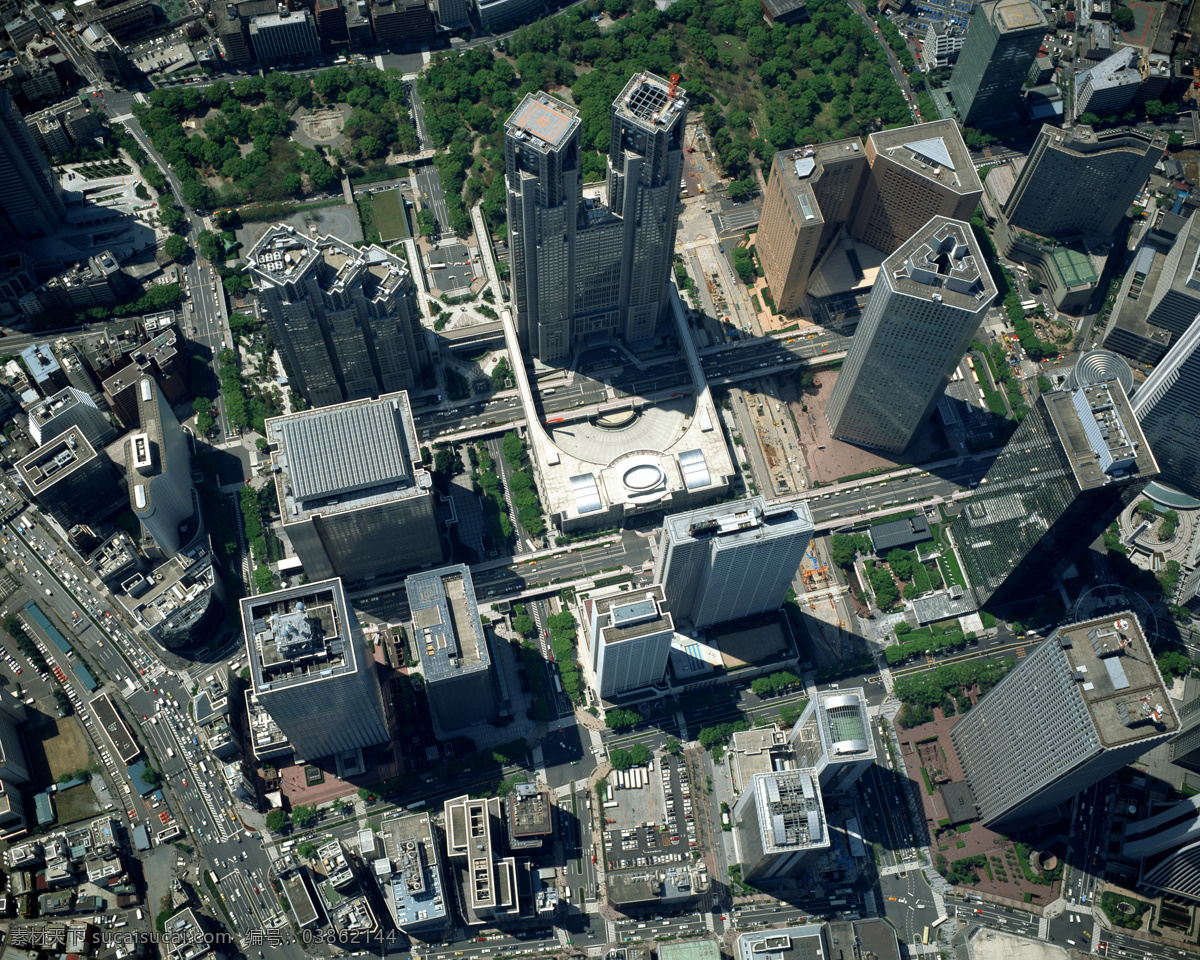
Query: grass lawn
x,y
735,47
366,216
921,577
78,803
390,217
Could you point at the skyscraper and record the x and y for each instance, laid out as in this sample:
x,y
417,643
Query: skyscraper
x,y
811,195
1080,181
31,200
629,639
730,560
778,824
995,58
879,194
70,407
833,739
312,671
1073,463
1085,703
601,263
1159,298
1167,406
346,320
354,498
917,173
72,479
159,473
1185,745
925,306
489,885
456,661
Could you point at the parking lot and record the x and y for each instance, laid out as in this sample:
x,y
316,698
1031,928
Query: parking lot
x,y
642,823
450,268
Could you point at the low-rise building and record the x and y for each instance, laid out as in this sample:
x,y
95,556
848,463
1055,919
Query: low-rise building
x,y
411,876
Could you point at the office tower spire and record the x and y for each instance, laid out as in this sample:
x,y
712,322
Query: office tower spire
x,y
1074,462
1085,703
346,319
918,322
1081,181
597,263
995,58
31,201
730,560
1167,406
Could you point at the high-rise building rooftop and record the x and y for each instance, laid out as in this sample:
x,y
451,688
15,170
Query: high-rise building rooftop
x,y
412,882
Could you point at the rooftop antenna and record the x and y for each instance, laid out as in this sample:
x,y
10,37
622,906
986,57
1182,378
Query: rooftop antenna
x,y
674,85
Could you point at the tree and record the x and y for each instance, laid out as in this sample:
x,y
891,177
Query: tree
x,y
901,562
303,815
620,759
640,754
618,719
364,794
1123,18
673,746
307,850
338,805
211,247
277,821
195,194
150,776
169,215
524,625
175,247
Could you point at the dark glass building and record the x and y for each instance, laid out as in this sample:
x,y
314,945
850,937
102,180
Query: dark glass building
x,y
1073,463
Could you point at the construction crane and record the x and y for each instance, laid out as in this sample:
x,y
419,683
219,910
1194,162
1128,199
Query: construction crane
x,y
811,575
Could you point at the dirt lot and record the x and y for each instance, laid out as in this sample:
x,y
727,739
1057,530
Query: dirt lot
x,y
840,459
55,747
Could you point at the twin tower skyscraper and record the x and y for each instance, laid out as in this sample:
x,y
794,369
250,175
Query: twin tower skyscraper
x,y
597,262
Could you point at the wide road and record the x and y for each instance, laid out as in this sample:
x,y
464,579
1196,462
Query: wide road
x,y
133,671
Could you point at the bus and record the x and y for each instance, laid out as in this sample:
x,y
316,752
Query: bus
x,y
925,937
937,923
1028,305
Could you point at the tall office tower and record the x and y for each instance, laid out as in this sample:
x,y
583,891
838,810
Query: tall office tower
x,y
629,640
1072,465
346,319
543,175
1000,46
1085,703
833,739
730,560
489,886
917,173
1167,406
284,35
31,199
69,408
1159,297
414,888
159,472
1185,745
645,163
353,496
925,306
14,771
778,824
600,264
312,671
72,479
810,196
455,660
1081,181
